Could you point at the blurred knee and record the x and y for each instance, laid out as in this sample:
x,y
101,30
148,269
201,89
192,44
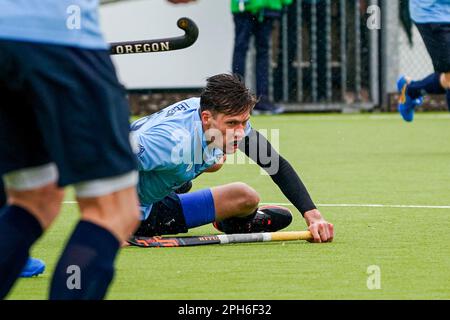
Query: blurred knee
x,y
117,212
43,202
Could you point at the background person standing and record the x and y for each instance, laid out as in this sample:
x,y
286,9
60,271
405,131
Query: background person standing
x,y
256,17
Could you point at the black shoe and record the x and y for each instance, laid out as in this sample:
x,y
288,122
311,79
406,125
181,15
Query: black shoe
x,y
185,188
265,219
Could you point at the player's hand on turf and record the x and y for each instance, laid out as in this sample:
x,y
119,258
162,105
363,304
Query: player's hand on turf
x,y
321,230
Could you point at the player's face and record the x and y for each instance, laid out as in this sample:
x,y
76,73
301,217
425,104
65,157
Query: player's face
x,y
231,129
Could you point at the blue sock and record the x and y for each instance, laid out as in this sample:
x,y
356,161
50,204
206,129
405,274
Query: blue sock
x,y
86,266
431,84
19,229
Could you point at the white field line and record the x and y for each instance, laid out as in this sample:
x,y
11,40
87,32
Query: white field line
x,y
347,205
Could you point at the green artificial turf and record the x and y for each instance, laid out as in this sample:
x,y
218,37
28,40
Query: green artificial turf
x,y
343,159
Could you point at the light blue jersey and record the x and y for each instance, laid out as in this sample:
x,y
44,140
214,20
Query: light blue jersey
x,y
61,22
430,11
172,151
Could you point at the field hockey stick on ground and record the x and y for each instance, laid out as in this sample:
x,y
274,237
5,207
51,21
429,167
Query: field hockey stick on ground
x,y
160,45
155,242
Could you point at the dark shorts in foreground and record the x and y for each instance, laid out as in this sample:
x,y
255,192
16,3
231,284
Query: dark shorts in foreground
x,y
63,105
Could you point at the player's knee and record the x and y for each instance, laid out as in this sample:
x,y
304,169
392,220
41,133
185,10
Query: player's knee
x,y
248,197
44,202
50,199
117,212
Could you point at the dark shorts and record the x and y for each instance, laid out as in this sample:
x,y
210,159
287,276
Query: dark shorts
x,y
177,213
166,217
2,195
62,105
436,37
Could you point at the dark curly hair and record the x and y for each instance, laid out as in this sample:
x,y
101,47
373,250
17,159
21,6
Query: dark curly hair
x,y
226,93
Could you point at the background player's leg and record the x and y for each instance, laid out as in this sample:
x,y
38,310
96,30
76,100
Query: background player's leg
x,y
431,84
437,41
242,31
263,32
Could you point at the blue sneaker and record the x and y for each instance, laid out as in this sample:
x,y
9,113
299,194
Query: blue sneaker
x,y
34,267
406,105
